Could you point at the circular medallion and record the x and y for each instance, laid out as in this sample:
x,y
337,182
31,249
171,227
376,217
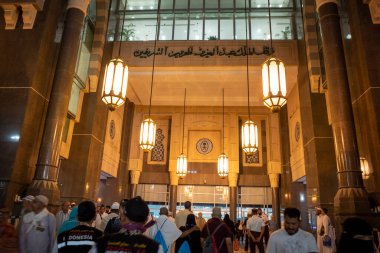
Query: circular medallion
x,y
204,146
297,131
112,129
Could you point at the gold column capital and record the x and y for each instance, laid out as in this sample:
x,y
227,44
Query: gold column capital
x,y
79,4
319,3
174,178
274,179
232,179
135,176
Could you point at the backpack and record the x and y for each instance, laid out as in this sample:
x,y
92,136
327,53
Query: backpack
x,y
185,248
159,238
113,226
210,242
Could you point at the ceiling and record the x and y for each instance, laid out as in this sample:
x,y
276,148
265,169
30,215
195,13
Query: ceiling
x,y
204,85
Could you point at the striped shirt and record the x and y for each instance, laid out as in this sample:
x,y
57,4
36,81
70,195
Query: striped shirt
x,y
79,239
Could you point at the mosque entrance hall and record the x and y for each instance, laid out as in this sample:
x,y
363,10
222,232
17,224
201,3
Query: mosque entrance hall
x,y
233,105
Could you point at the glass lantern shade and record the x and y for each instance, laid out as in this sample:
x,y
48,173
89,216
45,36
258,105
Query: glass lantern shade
x,y
364,168
274,84
115,83
147,135
249,137
181,165
223,165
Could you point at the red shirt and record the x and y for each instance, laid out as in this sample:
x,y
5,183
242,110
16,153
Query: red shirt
x,y
222,233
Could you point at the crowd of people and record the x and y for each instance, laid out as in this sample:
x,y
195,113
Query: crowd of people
x,y
128,226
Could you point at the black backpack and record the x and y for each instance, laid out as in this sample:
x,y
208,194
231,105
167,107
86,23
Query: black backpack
x,y
113,226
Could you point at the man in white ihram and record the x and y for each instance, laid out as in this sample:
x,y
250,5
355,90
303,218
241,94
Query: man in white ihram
x,y
168,229
292,239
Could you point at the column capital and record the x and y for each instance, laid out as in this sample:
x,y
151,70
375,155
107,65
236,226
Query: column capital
x,y
135,176
232,179
274,179
374,8
10,15
319,3
173,178
79,4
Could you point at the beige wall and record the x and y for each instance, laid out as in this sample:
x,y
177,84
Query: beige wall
x,y
206,122
297,158
112,141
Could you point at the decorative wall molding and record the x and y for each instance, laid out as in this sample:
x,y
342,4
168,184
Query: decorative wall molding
x,y
11,13
374,8
29,12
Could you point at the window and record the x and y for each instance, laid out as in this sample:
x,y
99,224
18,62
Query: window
x,y
226,26
211,4
203,20
196,4
211,26
196,26
166,27
180,26
181,4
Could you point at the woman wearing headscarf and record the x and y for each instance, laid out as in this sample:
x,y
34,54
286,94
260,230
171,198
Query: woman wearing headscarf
x,y
190,233
230,224
71,223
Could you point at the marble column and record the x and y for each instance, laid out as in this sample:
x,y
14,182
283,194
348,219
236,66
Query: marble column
x,y
232,183
46,174
173,192
275,184
233,203
123,173
351,198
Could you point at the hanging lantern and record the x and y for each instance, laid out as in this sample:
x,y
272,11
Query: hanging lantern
x,y
147,134
274,84
223,159
364,168
181,165
223,165
115,84
249,137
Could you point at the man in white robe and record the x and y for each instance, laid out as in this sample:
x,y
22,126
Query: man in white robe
x,y
168,229
63,215
37,233
324,230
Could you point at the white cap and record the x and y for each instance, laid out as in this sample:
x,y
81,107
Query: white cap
x,y
115,206
43,199
28,198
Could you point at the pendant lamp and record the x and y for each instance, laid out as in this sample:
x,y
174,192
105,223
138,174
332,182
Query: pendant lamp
x,y
273,77
249,134
115,80
223,158
148,126
182,159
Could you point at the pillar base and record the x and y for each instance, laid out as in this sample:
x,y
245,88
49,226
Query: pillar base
x,y
48,188
350,202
